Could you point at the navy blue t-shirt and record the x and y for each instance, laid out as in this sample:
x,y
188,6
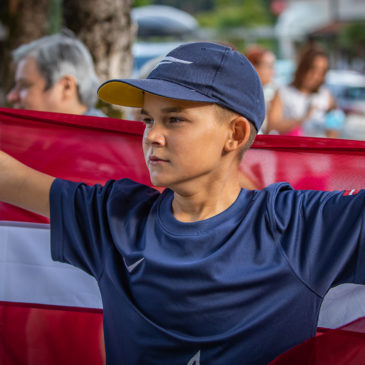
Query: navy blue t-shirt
x,y
238,288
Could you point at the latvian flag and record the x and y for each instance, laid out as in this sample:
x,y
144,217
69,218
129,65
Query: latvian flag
x,y
51,313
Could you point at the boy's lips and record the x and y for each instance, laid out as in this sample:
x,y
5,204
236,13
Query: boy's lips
x,y
156,160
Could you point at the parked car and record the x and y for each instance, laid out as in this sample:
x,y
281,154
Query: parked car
x,y
348,87
162,21
144,52
160,29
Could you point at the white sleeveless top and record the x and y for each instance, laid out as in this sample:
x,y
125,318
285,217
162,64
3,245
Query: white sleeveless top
x,y
296,104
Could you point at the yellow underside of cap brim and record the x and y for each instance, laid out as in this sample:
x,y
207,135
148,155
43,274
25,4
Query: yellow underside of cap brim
x,y
119,93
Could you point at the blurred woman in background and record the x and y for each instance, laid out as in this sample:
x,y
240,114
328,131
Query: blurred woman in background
x,y
304,107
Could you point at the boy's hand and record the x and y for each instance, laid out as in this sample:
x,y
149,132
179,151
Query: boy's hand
x,y
23,186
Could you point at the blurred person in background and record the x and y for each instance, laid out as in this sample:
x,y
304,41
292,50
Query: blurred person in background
x,y
306,107
55,74
264,61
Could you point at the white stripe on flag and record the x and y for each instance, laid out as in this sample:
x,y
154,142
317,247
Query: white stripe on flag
x,y
29,275
342,304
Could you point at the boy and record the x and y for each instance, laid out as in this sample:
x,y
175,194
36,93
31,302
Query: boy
x,y
206,272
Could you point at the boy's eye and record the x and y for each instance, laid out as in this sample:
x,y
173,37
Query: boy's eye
x,y
175,119
147,121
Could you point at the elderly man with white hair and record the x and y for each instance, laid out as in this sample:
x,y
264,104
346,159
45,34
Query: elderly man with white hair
x,y
56,74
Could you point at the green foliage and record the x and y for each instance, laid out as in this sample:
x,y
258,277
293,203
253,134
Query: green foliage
x,y
236,13
110,110
220,14
55,16
352,37
137,3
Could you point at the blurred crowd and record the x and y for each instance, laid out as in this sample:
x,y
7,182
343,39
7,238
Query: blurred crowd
x,y
304,107
56,73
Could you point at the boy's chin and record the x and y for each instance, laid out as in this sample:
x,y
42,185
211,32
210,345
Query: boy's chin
x,y
158,182
159,185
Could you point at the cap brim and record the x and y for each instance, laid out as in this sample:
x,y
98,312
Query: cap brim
x,y
130,92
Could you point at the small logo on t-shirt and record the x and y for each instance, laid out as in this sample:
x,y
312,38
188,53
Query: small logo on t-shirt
x,y
133,265
195,360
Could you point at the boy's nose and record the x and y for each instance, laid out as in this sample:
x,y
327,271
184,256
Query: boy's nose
x,y
155,135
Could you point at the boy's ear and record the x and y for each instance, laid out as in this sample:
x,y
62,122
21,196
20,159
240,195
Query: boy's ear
x,y
239,133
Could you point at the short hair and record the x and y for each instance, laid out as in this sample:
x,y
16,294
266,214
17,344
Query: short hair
x,y
305,61
59,55
225,114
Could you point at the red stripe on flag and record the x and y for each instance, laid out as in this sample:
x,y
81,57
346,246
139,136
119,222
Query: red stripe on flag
x,y
94,149
342,346
43,335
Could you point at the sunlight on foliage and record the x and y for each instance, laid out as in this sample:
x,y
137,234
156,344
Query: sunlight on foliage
x,y
231,13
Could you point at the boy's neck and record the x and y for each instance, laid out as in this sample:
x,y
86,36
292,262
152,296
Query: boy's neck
x,y
204,203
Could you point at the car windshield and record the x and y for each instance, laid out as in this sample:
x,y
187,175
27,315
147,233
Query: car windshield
x,y
355,93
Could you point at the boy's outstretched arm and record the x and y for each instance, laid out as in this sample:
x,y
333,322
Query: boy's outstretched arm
x,y
23,186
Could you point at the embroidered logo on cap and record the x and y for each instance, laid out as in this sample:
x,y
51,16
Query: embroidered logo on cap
x,y
168,60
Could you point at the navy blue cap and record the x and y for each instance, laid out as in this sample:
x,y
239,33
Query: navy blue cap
x,y
198,71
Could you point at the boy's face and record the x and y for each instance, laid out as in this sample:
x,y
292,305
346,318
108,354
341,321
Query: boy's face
x,y
183,141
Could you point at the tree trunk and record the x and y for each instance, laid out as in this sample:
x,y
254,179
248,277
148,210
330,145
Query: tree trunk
x,y
107,30
104,26
22,22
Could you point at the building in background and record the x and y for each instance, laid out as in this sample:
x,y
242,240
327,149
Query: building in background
x,y
299,20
